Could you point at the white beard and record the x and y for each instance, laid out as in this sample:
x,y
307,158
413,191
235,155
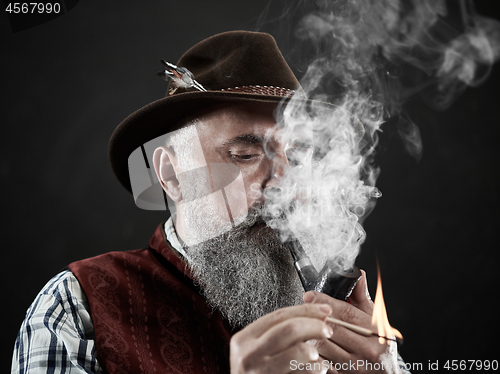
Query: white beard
x,y
246,272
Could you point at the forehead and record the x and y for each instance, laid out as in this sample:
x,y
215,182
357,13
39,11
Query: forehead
x,y
229,121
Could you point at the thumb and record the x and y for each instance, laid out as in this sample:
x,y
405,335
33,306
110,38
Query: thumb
x,y
360,296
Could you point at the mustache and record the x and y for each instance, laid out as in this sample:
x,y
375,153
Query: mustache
x,y
254,217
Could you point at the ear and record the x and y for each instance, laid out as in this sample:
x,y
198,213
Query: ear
x,y
165,164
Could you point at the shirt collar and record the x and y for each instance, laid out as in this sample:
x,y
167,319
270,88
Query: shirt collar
x,y
173,239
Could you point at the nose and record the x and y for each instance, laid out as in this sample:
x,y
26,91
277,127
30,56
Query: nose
x,y
278,167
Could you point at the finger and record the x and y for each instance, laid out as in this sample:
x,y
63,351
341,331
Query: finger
x,y
355,345
346,338
332,351
350,341
340,309
300,357
343,337
285,334
360,296
260,326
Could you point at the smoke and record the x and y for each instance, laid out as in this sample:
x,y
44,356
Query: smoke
x,y
365,58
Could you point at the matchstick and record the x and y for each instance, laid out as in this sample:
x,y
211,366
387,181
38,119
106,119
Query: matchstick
x,y
360,330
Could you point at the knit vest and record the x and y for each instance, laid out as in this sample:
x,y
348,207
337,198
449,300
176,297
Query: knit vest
x,y
148,314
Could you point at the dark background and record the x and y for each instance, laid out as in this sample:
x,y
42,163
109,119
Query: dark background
x,y
66,84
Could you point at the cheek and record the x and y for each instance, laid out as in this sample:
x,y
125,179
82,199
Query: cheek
x,y
236,197
238,188
254,183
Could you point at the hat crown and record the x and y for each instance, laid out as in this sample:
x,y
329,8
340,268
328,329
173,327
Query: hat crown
x,y
236,59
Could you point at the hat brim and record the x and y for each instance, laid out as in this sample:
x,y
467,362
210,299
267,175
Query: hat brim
x,y
164,115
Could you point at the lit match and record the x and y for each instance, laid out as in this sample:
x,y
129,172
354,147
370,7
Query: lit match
x,y
362,331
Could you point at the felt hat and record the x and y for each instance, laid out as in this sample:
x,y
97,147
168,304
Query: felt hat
x,y
233,66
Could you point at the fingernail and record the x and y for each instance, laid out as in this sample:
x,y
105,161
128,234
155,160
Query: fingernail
x,y
309,297
327,331
325,309
314,355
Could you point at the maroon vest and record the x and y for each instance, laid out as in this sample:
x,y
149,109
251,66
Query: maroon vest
x,y
148,314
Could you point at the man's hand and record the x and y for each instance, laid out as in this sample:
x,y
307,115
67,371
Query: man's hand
x,y
346,348
276,342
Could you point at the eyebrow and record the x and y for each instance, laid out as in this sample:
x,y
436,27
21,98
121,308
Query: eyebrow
x,y
243,139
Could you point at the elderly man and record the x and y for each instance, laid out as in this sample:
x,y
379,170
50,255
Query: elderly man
x,y
216,291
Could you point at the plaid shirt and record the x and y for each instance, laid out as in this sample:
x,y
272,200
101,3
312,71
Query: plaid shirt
x,y
57,335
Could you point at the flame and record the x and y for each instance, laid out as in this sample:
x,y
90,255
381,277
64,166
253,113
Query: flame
x,y
379,316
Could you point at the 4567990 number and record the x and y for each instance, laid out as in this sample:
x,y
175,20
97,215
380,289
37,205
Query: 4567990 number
x,y
17,8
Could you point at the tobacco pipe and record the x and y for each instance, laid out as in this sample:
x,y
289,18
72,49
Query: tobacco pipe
x,y
338,285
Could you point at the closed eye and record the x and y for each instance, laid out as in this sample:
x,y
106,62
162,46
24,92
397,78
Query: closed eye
x,y
244,158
